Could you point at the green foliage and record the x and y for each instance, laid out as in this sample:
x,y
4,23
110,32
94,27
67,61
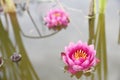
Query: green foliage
x,y
11,70
100,45
102,5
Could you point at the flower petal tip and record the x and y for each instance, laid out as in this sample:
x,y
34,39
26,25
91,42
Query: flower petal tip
x,y
97,60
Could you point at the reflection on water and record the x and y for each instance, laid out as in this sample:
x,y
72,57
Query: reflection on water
x,y
23,8
100,45
10,70
37,29
119,30
99,39
97,35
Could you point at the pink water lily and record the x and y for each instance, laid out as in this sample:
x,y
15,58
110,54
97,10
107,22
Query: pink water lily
x,y
79,57
56,19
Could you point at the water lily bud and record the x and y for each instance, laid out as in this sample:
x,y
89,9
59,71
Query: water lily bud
x,y
16,57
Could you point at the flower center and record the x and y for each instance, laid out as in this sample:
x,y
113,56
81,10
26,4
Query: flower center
x,y
80,54
57,14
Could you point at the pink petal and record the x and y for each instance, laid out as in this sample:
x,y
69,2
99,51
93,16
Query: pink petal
x,y
47,19
48,25
71,70
85,44
97,60
78,62
58,18
63,55
69,48
53,21
66,49
64,18
77,67
93,63
79,42
71,45
85,63
91,57
91,46
70,62
94,52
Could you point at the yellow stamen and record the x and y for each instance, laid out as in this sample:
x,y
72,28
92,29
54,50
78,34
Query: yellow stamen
x,y
57,14
80,54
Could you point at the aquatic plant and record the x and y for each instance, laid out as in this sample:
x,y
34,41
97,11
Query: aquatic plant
x,y
102,5
79,57
56,19
8,5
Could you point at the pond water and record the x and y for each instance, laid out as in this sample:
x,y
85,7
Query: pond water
x,y
45,52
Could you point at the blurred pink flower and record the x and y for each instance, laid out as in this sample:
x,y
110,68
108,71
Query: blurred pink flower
x,y
79,57
56,19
